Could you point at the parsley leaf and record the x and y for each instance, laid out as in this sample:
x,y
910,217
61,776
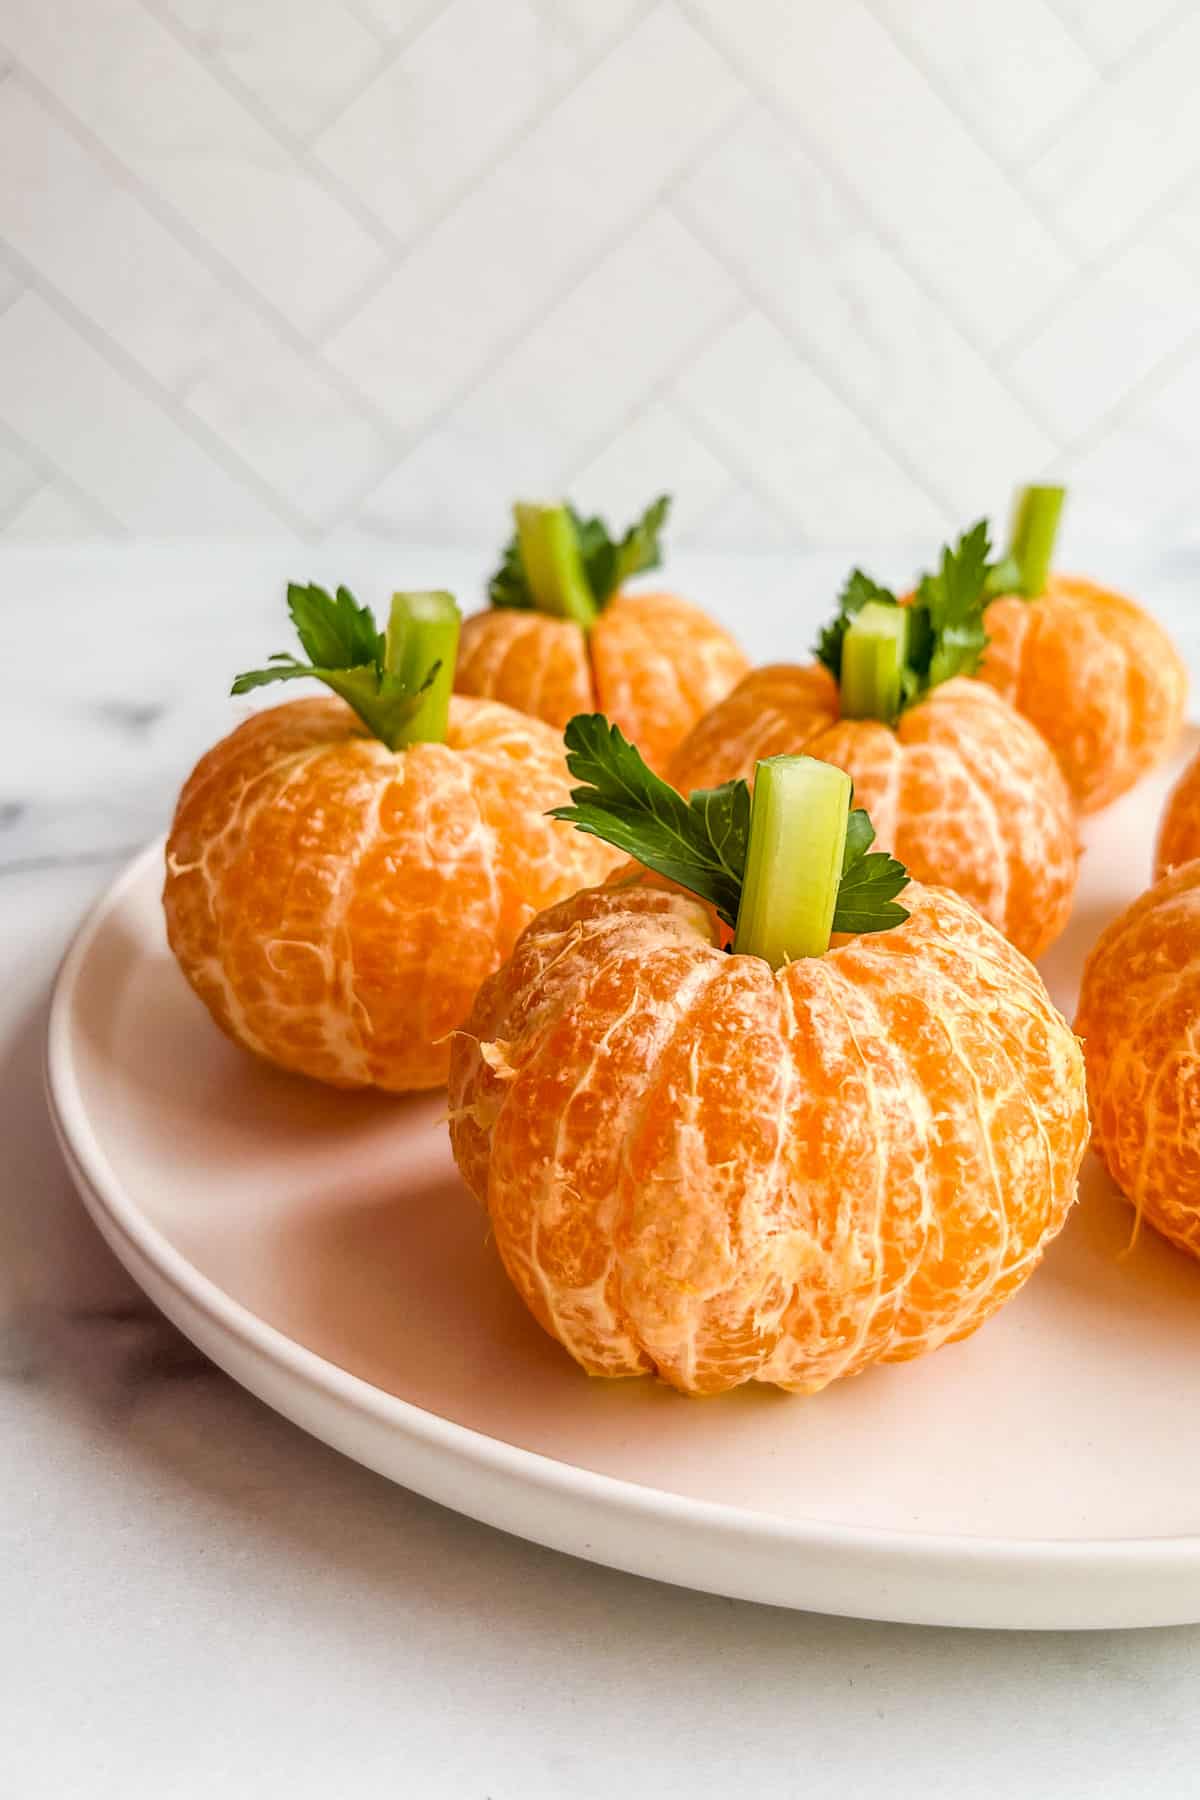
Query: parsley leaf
x,y
856,593
954,600
336,633
348,654
946,634
701,842
867,892
608,562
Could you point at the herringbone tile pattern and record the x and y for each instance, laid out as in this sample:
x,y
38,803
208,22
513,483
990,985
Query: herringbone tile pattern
x,y
835,269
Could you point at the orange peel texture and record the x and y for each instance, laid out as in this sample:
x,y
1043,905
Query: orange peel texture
x,y
1096,674
336,904
698,1167
1179,833
963,790
652,663
1139,1017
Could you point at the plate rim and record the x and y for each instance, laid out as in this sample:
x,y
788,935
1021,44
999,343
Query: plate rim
x,y
128,1230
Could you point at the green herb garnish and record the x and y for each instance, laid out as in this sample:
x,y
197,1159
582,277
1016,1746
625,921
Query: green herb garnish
x,y
892,662
560,563
783,869
398,681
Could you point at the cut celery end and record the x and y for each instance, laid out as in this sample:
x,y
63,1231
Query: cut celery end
x,y
1034,530
552,562
797,842
423,630
873,653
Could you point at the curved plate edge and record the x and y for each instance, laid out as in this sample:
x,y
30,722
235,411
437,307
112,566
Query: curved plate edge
x,y
925,1579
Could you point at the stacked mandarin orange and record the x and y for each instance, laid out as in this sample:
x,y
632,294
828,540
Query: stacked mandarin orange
x,y
564,635
727,970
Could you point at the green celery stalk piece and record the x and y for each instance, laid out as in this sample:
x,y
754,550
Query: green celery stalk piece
x,y
798,821
553,562
873,658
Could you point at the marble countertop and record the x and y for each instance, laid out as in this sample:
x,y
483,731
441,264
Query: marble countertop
x,y
199,1600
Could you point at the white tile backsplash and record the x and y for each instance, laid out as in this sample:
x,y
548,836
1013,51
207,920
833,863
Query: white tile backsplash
x,y
1013,81
1143,302
789,436
1110,30
168,120
19,481
1130,145
831,269
303,62
274,407
914,166
84,416
52,516
841,296
438,115
566,388
538,221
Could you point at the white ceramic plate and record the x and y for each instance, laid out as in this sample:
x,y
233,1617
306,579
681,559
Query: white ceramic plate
x,y
321,1248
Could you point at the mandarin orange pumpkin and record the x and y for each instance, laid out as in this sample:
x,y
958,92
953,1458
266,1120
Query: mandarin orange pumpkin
x,y
1139,1018
780,1167
958,785
561,637
1179,832
341,877
1090,668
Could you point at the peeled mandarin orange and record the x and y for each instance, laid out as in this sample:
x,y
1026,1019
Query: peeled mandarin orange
x,y
652,662
336,904
1179,833
1096,674
1139,1018
696,1166
963,789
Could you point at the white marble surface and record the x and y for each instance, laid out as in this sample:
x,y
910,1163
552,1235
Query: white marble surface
x,y
200,1601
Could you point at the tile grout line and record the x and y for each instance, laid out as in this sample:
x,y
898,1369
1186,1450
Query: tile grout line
x,y
741,471
433,420
757,301
1094,265
1147,386
367,20
914,54
201,435
1108,72
832,173
1069,29
513,340
463,191
54,476
221,268
41,484
657,391
384,240
390,244
391,46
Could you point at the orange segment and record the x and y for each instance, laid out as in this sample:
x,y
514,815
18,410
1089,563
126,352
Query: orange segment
x,y
659,664
336,904
695,1165
1139,1017
1096,674
772,712
1179,833
964,791
528,661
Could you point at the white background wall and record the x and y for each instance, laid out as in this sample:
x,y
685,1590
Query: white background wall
x,y
830,269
